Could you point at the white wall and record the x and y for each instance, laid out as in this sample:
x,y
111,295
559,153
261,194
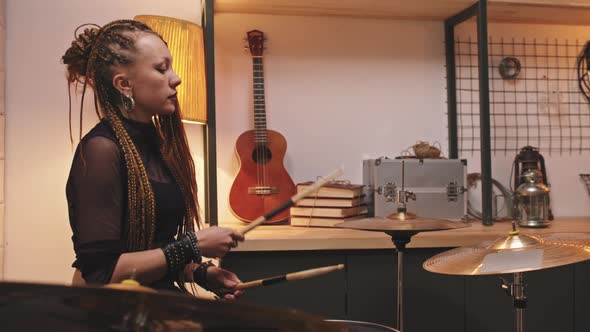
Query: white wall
x,y
338,89
37,233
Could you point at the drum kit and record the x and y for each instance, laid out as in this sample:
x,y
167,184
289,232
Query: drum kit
x,y
514,253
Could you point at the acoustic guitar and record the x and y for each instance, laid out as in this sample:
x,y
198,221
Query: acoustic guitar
x,y
262,183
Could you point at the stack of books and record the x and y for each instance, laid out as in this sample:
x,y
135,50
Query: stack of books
x,y
332,204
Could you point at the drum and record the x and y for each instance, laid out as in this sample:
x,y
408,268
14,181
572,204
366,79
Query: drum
x,y
358,326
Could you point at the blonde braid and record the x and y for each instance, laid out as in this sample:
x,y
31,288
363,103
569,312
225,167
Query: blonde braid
x,y
141,201
140,196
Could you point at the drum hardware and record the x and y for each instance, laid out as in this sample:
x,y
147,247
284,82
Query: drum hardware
x,y
516,253
517,290
401,232
401,226
403,196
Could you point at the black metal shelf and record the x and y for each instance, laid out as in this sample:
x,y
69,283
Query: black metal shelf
x,y
478,10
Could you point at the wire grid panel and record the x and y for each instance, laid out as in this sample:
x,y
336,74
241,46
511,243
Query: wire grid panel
x,y
542,107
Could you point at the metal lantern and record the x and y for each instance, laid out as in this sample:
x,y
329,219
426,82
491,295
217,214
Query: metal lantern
x,y
532,197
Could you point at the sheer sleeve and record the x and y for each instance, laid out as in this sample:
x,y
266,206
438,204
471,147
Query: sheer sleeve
x,y
96,203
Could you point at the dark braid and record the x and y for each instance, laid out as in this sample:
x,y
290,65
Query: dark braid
x,y
90,60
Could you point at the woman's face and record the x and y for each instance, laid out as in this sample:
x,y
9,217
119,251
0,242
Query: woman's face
x,y
152,79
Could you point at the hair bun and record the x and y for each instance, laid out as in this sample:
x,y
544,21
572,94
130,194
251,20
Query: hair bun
x,y
76,57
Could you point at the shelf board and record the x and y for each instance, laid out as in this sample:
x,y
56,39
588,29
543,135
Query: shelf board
x,y
567,12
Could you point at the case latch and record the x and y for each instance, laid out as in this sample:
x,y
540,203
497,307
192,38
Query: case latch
x,y
389,191
453,191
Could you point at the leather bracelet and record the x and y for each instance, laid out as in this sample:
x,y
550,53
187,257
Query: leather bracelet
x,y
200,274
179,253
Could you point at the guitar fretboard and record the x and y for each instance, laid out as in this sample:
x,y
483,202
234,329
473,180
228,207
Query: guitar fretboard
x,y
260,135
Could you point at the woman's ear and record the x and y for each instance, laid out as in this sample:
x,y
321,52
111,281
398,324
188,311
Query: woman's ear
x,y
121,82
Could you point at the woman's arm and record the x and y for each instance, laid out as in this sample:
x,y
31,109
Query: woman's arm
x,y
96,197
151,265
144,266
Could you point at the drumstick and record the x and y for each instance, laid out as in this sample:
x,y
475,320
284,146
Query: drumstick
x,y
290,277
315,186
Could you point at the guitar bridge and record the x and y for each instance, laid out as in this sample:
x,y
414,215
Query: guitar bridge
x,y
263,190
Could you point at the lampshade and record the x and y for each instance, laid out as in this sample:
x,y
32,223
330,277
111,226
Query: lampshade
x,y
185,41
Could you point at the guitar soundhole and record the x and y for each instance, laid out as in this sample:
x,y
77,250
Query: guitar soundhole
x,y
261,154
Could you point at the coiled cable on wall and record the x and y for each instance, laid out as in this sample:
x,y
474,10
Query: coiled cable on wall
x,y
472,178
583,67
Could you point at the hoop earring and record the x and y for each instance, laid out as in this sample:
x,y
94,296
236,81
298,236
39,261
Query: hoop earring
x,y
128,102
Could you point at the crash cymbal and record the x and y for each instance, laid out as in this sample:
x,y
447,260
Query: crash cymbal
x,y
513,253
391,226
38,307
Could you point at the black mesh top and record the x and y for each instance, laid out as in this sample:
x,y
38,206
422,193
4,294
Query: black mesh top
x,y
97,199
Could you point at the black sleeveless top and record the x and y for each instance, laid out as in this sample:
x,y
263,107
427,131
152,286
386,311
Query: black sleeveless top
x,y
97,199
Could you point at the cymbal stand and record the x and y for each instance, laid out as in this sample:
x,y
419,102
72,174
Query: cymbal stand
x,y
400,239
517,290
403,196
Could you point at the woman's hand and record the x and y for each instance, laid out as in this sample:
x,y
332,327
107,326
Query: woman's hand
x,y
215,242
222,283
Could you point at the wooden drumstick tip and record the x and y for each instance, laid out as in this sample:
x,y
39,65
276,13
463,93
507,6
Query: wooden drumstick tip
x,y
318,184
290,277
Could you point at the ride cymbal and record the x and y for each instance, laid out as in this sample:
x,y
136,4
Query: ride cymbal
x,y
391,226
513,253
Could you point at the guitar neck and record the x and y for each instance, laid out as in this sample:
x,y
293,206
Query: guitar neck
x,y
261,136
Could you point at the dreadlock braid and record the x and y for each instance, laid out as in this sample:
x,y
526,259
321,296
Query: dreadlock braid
x,y
139,191
183,169
90,60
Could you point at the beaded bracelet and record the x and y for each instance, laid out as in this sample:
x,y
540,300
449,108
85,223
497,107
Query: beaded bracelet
x,y
195,244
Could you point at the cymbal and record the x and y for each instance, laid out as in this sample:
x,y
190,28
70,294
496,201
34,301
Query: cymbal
x,y
513,253
28,307
392,226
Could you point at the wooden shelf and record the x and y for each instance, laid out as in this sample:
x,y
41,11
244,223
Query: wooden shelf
x,y
287,238
568,12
